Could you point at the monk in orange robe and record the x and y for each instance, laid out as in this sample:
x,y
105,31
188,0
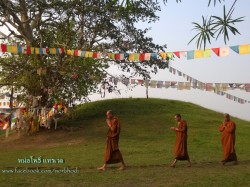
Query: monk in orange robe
x,y
228,140
180,149
112,152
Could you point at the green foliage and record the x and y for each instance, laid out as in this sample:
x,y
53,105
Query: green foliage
x,y
209,2
226,24
52,77
78,24
215,25
205,32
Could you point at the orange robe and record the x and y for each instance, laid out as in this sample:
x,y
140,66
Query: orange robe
x,y
228,141
180,148
112,152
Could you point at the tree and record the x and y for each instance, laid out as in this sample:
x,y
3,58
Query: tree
x,y
78,24
216,26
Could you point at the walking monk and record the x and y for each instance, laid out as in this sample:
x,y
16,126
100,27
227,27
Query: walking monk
x,y
112,152
228,140
180,149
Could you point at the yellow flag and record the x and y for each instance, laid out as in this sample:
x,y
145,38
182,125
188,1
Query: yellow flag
x,y
207,53
68,52
198,53
244,49
86,54
131,57
37,51
163,55
14,49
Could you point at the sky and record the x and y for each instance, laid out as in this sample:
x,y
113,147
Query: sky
x,y
175,29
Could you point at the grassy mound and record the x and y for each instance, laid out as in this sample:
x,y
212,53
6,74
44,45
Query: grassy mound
x,y
145,142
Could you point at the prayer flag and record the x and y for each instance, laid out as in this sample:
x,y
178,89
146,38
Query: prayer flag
x,y
147,56
159,84
153,84
244,49
247,87
170,55
136,56
180,86
224,51
153,56
83,54
86,54
37,51
235,48
177,53
14,49
19,49
207,53
121,56
163,55
75,52
68,52
3,48
216,51
95,55
184,53
131,57
117,56
198,53
9,48
28,50
142,56
91,54
190,55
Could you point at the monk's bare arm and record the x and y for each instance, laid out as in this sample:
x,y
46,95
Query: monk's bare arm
x,y
222,128
108,123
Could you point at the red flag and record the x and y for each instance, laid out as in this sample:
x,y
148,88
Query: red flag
x,y
117,56
95,55
75,52
4,48
216,51
177,53
28,50
62,49
142,56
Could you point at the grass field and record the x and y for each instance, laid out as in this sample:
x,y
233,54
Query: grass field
x,y
145,142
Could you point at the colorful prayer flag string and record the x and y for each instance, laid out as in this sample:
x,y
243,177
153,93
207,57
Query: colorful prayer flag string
x,y
132,57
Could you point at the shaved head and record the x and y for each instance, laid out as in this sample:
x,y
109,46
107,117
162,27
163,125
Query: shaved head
x,y
109,114
227,117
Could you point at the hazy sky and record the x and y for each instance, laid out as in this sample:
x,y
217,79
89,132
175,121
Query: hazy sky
x,y
175,30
